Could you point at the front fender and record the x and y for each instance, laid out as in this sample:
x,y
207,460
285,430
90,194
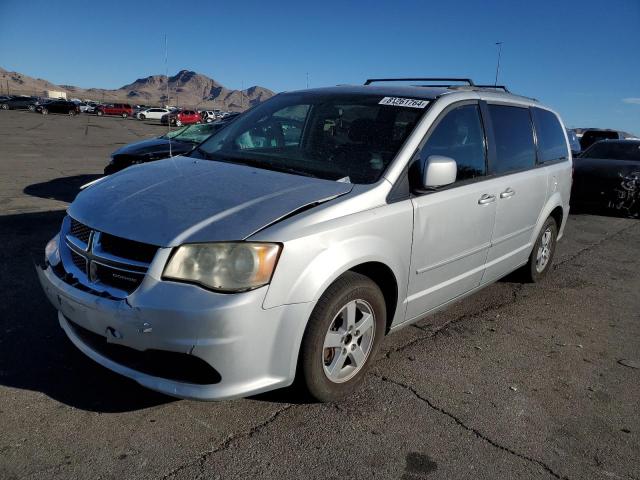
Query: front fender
x,y
309,264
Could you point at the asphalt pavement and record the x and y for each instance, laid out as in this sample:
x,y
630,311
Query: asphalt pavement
x,y
515,382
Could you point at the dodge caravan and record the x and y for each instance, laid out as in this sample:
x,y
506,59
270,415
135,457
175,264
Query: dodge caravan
x,y
287,245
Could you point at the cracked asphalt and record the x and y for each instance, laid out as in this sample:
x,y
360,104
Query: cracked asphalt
x,y
516,381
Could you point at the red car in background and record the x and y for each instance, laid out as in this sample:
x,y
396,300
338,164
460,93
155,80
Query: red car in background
x,y
123,110
181,117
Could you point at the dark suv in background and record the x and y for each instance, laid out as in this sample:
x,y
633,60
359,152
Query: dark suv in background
x,y
18,102
58,106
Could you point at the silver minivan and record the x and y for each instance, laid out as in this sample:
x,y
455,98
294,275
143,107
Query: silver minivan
x,y
288,244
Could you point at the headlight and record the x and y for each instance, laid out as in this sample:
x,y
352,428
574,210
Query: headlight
x,y
52,252
224,267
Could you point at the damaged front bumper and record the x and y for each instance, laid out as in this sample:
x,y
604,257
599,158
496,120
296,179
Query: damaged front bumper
x,y
249,349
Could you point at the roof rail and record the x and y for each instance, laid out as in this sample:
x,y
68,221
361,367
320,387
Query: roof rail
x,y
421,79
494,87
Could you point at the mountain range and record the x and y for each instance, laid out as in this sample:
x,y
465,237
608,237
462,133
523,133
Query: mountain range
x,y
186,89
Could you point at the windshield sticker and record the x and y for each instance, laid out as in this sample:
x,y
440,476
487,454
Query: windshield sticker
x,y
403,102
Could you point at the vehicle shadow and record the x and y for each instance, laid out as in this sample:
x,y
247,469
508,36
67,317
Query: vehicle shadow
x,y
63,188
35,354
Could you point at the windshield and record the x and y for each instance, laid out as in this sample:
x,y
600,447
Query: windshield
x,y
614,151
174,133
347,137
195,133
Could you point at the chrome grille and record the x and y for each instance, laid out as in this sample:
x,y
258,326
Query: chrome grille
x,y
107,260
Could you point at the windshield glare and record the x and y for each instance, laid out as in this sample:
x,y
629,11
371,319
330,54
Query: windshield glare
x,y
327,136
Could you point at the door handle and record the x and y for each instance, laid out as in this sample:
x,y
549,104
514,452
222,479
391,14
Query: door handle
x,y
508,193
486,198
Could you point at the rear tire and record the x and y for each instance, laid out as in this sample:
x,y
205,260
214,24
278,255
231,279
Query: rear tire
x,y
5,106
342,338
542,254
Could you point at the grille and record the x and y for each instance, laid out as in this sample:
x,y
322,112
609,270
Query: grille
x,y
181,367
80,231
122,279
79,261
121,247
114,261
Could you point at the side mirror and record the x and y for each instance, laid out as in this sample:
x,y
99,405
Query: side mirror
x,y
439,171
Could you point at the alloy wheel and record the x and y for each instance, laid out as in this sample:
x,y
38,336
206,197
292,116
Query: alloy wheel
x,y
348,341
544,250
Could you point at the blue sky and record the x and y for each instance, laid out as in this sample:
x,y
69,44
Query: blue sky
x,y
581,57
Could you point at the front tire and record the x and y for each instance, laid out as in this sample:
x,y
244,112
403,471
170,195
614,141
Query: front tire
x,y
5,106
32,108
542,254
99,113
125,115
142,117
342,338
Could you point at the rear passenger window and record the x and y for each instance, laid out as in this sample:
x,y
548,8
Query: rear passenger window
x,y
513,134
460,136
552,144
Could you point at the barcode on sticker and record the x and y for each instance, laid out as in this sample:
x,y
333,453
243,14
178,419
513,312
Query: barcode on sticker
x,y
403,102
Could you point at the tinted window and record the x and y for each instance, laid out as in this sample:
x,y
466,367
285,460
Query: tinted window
x,y
515,149
460,136
551,142
614,150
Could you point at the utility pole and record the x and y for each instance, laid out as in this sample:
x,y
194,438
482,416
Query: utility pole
x,y
499,44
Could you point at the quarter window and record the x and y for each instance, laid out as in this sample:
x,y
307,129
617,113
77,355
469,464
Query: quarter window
x,y
551,140
515,149
460,136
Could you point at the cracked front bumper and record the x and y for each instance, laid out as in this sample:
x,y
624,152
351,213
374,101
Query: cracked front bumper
x,y
253,349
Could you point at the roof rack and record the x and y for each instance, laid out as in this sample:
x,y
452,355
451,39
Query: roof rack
x,y
495,87
422,79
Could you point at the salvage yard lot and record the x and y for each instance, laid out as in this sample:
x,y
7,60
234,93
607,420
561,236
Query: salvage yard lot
x,y
517,381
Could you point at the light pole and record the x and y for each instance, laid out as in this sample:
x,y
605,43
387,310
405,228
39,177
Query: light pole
x,y
499,44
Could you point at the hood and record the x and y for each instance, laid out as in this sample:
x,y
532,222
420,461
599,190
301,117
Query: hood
x,y
153,145
185,200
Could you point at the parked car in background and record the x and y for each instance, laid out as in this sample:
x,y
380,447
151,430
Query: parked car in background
x,y
58,106
19,103
123,110
607,177
181,141
574,142
290,242
84,107
208,116
593,135
155,113
181,117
